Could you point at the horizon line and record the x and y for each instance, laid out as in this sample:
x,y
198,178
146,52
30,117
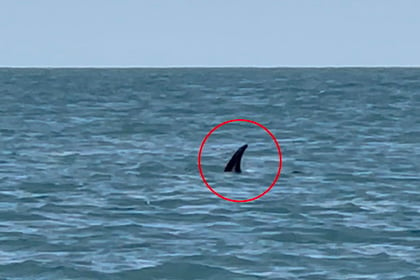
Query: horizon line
x,y
199,66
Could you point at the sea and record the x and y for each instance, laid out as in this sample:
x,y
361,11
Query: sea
x,y
119,173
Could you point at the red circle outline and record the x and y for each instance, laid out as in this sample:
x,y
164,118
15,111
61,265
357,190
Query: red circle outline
x,y
276,178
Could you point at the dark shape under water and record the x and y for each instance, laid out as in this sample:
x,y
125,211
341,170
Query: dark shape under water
x,y
235,161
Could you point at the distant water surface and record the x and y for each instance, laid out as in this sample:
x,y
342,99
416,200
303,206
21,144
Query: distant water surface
x,y
99,177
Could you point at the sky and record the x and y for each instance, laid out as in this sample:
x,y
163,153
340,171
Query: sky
x,y
209,33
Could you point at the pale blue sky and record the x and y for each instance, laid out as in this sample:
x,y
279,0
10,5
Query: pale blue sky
x,y
209,33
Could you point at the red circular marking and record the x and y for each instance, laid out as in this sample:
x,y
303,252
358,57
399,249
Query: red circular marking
x,y
201,169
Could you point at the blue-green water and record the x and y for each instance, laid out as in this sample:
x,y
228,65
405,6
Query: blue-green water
x,y
99,177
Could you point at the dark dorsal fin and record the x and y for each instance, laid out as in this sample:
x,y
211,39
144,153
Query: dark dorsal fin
x,y
235,161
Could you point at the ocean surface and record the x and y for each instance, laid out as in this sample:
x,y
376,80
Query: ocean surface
x,y
99,174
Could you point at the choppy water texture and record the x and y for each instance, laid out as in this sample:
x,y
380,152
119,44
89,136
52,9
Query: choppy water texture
x,y
99,177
